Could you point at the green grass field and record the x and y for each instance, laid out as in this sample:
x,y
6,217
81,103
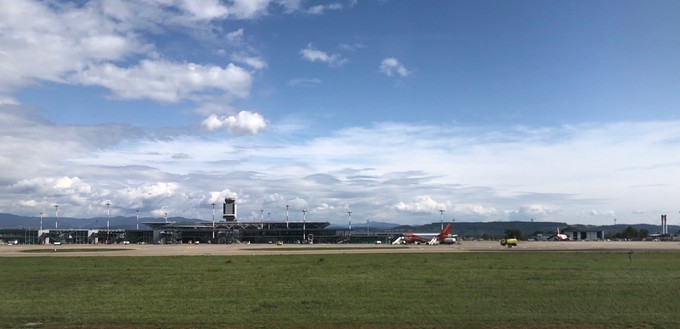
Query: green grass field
x,y
461,290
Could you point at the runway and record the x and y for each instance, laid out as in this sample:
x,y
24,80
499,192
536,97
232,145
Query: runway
x,y
291,249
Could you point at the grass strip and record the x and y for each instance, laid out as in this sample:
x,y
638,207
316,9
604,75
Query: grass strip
x,y
53,250
470,290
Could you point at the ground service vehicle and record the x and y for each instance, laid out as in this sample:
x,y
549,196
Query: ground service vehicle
x,y
510,242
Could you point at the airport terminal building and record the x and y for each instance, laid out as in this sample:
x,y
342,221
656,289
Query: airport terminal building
x,y
228,230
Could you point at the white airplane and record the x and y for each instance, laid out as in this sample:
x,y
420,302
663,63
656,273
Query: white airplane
x,y
444,237
561,237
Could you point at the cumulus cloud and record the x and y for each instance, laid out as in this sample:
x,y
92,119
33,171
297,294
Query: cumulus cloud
x,y
392,67
421,204
93,42
51,186
68,37
244,123
58,40
535,211
314,55
149,191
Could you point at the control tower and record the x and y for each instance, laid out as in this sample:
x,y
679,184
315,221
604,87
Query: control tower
x,y
229,210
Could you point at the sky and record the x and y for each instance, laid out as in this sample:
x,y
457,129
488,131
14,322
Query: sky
x,y
405,111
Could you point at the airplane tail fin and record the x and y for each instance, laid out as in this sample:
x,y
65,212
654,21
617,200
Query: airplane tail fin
x,y
445,232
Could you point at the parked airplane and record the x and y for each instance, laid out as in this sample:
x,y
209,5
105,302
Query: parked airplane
x,y
561,237
444,237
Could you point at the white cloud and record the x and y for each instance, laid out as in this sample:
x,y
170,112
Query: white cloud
x,y
6,100
255,62
89,43
31,146
148,191
534,211
166,81
554,173
50,186
422,204
479,211
244,123
204,9
320,9
57,40
314,55
474,173
235,36
392,67
63,38
249,8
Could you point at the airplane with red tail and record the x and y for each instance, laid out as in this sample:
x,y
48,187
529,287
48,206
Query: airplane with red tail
x,y
561,237
443,237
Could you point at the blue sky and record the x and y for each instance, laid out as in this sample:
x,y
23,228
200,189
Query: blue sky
x,y
494,110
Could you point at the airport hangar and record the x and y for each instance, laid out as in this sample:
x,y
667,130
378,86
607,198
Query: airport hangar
x,y
230,230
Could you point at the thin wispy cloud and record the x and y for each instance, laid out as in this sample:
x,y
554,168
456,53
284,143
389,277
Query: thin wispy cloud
x,y
165,81
320,9
314,55
304,82
392,67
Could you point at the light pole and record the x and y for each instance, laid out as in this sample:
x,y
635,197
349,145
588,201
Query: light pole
x,y
213,221
137,213
56,216
441,212
108,216
349,217
41,216
261,216
304,225
166,217
286,216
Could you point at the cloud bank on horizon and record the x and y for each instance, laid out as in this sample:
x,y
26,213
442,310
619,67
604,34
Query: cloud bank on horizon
x,y
489,111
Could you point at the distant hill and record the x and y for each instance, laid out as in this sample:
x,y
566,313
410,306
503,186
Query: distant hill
x,y
118,222
497,229
363,226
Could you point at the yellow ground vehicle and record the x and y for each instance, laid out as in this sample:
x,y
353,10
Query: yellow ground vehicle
x,y
510,242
